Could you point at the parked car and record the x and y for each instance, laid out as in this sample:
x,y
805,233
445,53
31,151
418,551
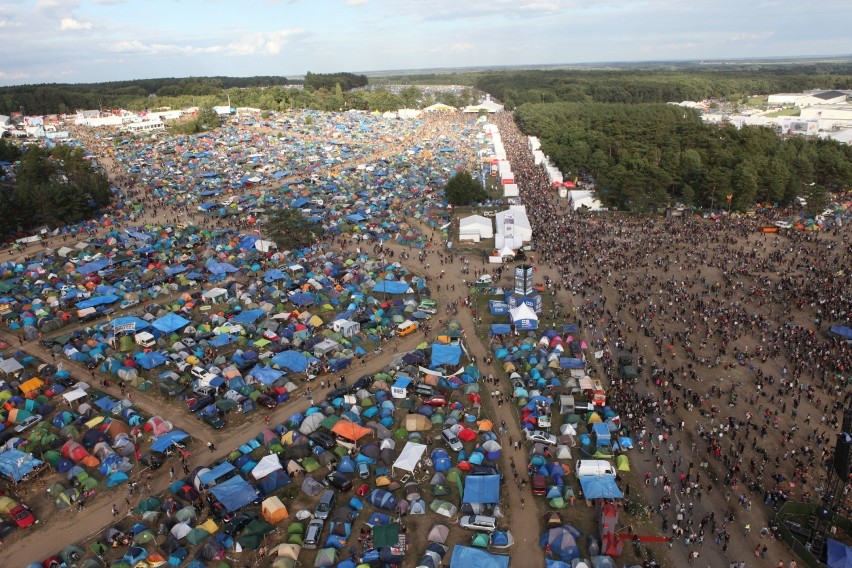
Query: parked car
x,y
338,481
128,304
151,461
336,393
363,470
322,439
427,309
541,437
213,420
479,523
29,422
313,536
22,516
436,400
326,504
452,440
197,403
266,401
239,522
539,484
362,383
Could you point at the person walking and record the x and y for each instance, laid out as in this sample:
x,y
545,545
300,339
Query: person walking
x,y
114,510
211,446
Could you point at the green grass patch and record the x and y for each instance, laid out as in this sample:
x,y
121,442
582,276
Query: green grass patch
x,y
785,112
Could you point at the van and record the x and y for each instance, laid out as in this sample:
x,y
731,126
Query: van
x,y
452,440
594,468
326,504
406,328
422,389
313,534
145,339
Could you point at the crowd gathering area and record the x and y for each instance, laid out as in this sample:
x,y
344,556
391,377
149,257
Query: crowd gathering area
x,y
637,391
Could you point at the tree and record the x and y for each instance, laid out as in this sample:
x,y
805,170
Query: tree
x,y
463,190
289,229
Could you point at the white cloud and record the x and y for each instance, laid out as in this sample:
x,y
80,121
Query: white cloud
x,y
72,24
356,2
750,36
260,43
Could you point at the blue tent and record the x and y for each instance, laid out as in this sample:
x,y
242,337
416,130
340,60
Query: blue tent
x,y
249,316
571,363
501,329
221,340
497,307
150,360
234,494
391,287
170,323
302,299
839,555
445,354
265,375
215,267
97,301
481,489
139,323
272,482
167,439
382,499
600,487
477,558
293,360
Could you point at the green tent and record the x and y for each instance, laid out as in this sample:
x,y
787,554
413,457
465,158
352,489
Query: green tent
x,y
197,535
148,504
310,464
622,462
296,528
557,503
144,537
481,540
386,535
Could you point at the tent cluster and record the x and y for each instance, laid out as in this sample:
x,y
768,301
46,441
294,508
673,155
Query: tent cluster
x,y
91,441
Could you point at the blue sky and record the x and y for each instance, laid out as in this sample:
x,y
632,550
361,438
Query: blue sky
x,y
105,40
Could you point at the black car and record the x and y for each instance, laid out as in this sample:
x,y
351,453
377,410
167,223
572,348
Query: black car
x,y
266,401
239,522
339,481
337,393
220,512
322,439
49,343
213,420
6,528
196,404
152,461
362,383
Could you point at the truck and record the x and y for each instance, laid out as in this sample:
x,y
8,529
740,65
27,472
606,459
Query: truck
x,y
145,339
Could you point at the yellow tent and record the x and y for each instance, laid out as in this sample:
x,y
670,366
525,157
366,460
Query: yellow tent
x,y
622,463
209,525
315,321
273,510
286,550
31,385
594,418
485,425
382,481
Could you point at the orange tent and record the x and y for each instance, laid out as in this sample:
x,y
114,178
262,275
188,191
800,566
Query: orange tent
x,y
350,430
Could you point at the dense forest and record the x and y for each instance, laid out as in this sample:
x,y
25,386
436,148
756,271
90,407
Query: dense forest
x,y
329,81
634,84
645,156
52,187
57,98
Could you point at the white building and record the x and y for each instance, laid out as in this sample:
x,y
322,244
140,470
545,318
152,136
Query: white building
x,y
487,105
513,227
829,116
144,126
821,98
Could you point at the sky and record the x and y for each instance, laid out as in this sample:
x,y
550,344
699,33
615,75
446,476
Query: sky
x,y
78,41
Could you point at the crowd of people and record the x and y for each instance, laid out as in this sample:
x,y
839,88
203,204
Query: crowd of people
x,y
744,391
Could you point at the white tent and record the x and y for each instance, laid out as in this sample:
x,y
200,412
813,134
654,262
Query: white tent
x,y
214,294
475,227
523,312
346,328
510,190
409,457
266,465
72,395
264,246
10,366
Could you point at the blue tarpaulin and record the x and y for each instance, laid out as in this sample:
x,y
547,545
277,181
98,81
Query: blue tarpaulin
x,y
501,329
234,494
843,331
219,471
839,555
445,354
15,465
293,360
477,558
571,363
97,301
150,360
392,287
164,441
221,340
139,323
265,375
481,489
249,316
600,487
93,266
170,323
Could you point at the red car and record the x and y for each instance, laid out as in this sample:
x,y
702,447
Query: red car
x,y
539,485
22,516
436,400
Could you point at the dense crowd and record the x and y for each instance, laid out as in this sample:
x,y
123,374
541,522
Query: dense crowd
x,y
733,323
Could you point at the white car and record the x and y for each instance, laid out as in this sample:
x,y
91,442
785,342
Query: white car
x,y
452,440
541,437
427,309
128,304
29,422
478,523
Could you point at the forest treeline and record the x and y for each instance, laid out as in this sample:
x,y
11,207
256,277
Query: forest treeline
x,y
329,81
58,98
49,186
646,156
657,84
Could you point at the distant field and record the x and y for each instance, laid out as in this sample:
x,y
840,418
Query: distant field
x,y
785,112
759,100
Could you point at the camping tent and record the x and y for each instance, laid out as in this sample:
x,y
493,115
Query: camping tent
x,y
273,510
409,457
477,558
